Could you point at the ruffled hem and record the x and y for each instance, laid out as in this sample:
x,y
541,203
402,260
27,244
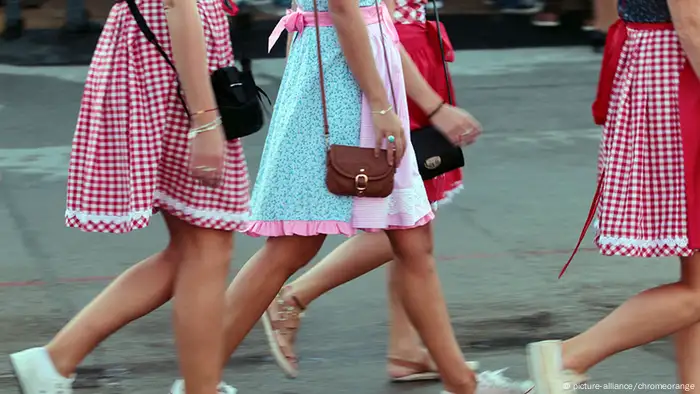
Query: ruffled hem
x,y
281,228
136,220
447,197
648,248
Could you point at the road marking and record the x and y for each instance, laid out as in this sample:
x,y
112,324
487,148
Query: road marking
x,y
441,258
66,73
562,137
51,163
467,63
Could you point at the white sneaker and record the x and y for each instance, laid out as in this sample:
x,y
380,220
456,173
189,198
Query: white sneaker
x,y
36,373
494,382
544,361
179,388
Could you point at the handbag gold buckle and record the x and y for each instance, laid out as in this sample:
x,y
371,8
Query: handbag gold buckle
x,y
361,181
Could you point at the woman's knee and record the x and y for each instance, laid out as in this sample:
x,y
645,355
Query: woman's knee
x,y
413,248
292,252
690,279
199,245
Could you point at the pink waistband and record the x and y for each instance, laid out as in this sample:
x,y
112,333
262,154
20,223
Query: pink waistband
x,y
296,21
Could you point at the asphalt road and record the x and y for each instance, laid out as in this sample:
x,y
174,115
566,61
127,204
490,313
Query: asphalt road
x,y
500,245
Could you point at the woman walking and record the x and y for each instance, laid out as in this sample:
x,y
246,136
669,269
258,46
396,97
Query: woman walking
x,y
407,359
136,152
292,205
647,202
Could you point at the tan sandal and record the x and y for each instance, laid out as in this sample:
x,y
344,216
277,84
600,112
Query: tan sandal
x,y
281,321
417,371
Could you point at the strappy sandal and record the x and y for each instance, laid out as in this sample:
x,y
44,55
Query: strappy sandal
x,y
281,321
423,370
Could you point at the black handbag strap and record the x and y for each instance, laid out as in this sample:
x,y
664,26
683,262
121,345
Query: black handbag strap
x,y
442,53
151,37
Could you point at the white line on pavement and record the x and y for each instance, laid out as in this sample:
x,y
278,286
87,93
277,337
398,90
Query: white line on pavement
x,y
51,162
467,63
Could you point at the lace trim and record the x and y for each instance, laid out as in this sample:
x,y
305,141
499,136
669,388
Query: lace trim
x,y
121,219
166,201
638,242
643,243
201,213
411,202
449,196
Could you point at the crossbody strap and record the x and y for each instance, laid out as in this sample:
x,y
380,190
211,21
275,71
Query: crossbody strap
x,y
442,53
151,37
380,18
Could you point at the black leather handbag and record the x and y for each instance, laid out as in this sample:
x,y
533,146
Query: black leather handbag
x,y
239,99
435,154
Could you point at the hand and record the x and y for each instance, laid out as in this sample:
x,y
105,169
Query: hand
x,y
389,126
457,125
207,151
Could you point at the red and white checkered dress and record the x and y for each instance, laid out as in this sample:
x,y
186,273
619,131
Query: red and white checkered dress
x,y
410,11
642,208
130,149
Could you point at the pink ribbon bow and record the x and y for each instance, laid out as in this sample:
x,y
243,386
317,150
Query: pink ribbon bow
x,y
293,21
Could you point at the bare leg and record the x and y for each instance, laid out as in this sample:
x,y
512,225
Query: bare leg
x,y
419,288
646,317
404,342
605,14
256,285
687,340
687,343
138,291
199,304
352,259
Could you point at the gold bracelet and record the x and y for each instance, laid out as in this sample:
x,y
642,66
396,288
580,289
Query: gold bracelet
x,y
204,128
384,111
202,112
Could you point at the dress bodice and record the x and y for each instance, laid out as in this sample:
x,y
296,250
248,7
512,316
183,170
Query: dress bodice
x,y
308,5
644,11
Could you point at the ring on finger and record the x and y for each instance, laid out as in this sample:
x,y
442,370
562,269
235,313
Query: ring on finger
x,y
391,139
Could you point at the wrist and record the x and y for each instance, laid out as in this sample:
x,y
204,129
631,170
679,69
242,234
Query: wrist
x,y
430,104
203,118
378,104
436,110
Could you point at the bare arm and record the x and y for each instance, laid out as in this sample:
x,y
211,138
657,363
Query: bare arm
x,y
354,40
290,36
190,55
416,86
686,19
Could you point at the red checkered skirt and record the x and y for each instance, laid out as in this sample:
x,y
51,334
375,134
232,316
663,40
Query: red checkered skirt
x,y
130,149
642,209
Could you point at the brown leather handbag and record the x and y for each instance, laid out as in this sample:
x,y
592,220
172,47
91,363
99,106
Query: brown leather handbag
x,y
351,170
